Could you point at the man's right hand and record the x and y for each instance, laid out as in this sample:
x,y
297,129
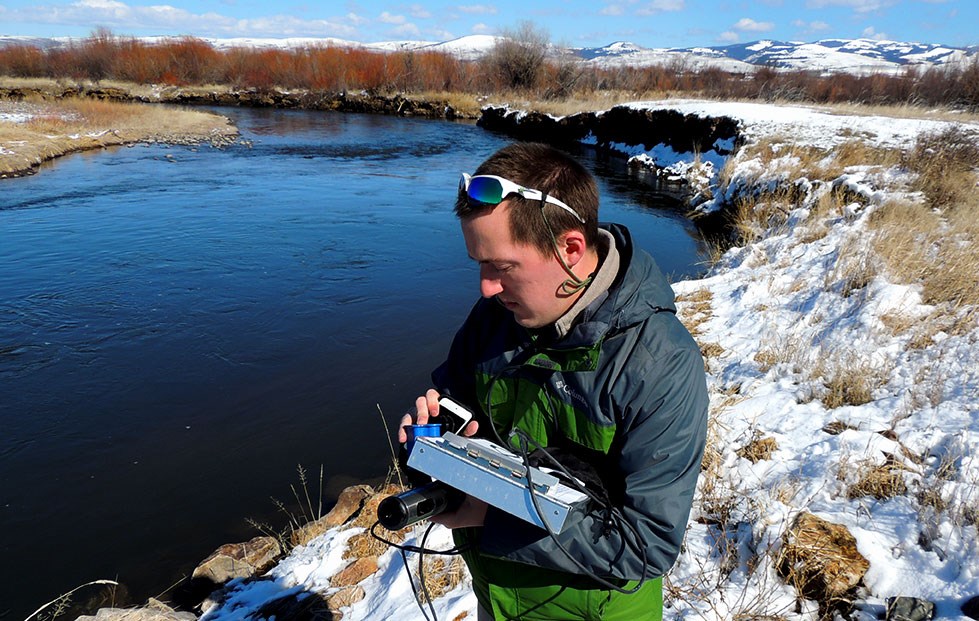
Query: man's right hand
x,y
428,406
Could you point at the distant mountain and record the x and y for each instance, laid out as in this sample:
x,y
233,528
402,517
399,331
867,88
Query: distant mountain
x,y
860,56
827,55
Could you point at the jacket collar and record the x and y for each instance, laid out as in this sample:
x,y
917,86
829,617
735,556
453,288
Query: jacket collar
x,y
637,290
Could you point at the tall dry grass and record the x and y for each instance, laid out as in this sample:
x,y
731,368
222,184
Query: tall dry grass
x,y
936,244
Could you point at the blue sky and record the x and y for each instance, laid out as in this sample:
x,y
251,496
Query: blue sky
x,y
587,23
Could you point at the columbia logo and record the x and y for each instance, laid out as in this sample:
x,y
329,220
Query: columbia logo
x,y
572,395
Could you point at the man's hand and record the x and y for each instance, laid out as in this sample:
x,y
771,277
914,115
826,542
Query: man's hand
x,y
428,406
472,512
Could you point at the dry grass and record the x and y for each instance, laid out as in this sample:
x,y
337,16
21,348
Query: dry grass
x,y
759,449
937,244
781,349
945,164
694,309
848,377
467,104
837,427
880,481
940,251
901,111
711,350
441,575
856,266
586,102
760,215
70,125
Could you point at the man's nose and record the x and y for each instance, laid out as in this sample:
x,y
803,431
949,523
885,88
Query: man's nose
x,y
489,285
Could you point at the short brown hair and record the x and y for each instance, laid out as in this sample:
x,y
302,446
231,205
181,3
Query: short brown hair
x,y
544,168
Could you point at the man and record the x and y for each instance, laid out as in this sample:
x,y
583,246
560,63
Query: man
x,y
574,346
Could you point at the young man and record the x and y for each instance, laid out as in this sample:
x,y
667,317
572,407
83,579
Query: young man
x,y
574,346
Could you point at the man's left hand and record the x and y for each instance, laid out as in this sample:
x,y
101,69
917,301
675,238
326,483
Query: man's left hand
x,y
472,512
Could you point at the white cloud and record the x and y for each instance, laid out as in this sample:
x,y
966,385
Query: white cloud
x,y
815,26
407,30
481,28
478,9
612,9
419,12
728,37
437,34
163,18
355,19
389,18
100,4
746,24
662,6
871,33
859,6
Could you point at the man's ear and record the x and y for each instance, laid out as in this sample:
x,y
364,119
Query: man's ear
x,y
573,246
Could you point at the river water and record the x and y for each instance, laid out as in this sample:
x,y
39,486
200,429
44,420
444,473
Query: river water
x,y
180,328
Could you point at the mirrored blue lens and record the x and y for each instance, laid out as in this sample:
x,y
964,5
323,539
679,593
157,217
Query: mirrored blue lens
x,y
486,190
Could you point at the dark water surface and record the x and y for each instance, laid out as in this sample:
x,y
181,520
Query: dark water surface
x,y
179,328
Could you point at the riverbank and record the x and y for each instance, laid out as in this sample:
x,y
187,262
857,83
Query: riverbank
x,y
42,119
34,129
841,386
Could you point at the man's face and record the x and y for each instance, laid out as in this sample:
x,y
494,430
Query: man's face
x,y
517,274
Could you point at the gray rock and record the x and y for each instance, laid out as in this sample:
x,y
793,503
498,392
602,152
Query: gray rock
x,y
239,560
971,608
909,609
153,611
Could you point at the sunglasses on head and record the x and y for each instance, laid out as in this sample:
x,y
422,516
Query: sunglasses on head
x,y
491,190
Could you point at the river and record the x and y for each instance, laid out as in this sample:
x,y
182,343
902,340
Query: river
x,y
180,328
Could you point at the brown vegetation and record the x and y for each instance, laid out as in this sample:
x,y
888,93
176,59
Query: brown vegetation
x,y
521,63
70,125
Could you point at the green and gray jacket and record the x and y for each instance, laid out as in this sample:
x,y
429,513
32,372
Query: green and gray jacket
x,y
622,386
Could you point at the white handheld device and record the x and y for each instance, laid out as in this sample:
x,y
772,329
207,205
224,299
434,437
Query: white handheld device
x,y
453,416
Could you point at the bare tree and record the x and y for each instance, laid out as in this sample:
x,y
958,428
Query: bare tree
x,y
518,57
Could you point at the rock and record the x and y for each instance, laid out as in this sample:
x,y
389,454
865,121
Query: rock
x,y
153,611
971,608
348,503
620,125
347,596
239,560
821,560
909,609
355,572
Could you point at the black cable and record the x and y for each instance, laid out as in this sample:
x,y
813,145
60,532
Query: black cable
x,y
421,577
411,583
422,551
620,521
454,551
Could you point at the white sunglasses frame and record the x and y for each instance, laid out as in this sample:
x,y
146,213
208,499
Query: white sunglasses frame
x,y
510,187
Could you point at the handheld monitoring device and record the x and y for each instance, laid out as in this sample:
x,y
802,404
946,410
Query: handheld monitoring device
x,y
497,476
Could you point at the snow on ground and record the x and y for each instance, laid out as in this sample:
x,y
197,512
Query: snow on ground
x,y
779,320
807,125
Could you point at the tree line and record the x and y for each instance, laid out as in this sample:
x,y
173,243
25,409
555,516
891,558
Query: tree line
x,y
522,63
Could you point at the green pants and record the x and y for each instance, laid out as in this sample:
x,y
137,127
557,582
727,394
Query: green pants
x,y
516,591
